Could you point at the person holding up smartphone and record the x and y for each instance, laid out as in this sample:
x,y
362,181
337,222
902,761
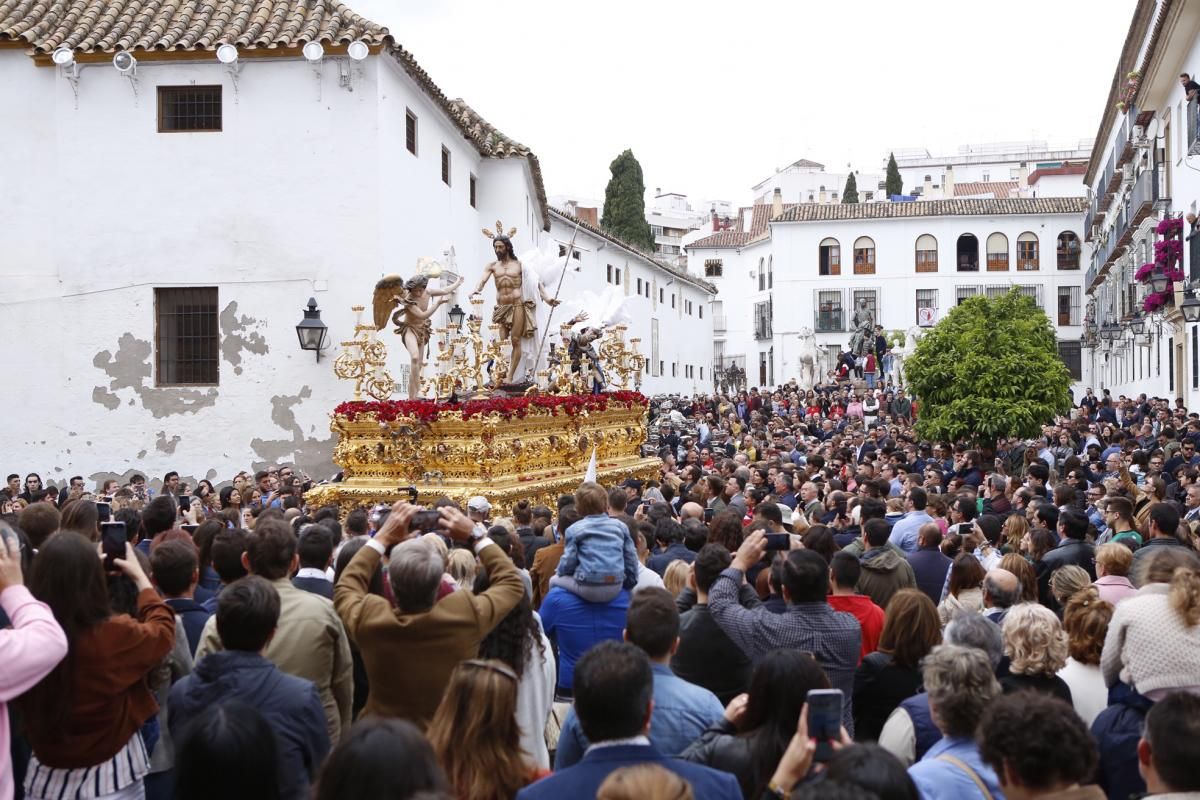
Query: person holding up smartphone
x,y
29,649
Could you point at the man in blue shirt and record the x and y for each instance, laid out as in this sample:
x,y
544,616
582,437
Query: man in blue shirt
x,y
682,710
905,531
960,684
576,625
616,710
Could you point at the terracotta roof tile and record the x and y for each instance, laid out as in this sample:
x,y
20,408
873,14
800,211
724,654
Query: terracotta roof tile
x,y
722,239
106,26
997,189
812,212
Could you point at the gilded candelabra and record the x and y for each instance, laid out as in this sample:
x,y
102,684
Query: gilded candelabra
x,y
363,360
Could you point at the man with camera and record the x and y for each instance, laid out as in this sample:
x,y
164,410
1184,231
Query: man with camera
x,y
411,649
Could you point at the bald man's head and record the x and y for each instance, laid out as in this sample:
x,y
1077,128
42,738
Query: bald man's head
x,y
691,511
1001,589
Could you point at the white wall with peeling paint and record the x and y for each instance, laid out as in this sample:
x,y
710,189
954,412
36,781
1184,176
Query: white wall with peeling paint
x,y
307,191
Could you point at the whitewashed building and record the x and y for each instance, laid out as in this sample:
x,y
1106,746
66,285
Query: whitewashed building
x,y
997,169
670,308
167,216
1144,170
792,266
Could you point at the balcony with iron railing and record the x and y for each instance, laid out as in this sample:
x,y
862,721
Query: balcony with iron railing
x,y
1144,195
1193,134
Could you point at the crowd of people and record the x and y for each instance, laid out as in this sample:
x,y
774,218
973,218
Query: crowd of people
x,y
807,601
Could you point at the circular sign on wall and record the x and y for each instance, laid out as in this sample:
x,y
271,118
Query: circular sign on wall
x,y
926,317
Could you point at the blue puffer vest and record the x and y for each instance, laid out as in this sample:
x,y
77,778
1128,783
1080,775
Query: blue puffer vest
x,y
927,734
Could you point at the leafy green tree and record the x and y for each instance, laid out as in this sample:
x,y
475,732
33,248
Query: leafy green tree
x,y
850,193
989,369
893,182
625,203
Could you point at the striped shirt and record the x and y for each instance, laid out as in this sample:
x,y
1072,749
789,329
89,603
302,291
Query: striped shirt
x,y
833,637
122,771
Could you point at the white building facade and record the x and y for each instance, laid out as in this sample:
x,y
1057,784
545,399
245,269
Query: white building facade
x,y
807,265
1144,171
998,169
670,308
166,225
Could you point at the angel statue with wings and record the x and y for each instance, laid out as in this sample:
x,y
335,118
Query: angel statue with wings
x,y
409,307
517,289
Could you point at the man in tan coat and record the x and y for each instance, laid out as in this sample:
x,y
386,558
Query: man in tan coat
x,y
310,641
410,650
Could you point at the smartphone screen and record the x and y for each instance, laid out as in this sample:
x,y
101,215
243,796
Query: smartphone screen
x,y
708,515
824,720
779,541
105,511
113,540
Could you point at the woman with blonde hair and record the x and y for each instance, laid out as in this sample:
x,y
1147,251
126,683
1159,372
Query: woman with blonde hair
x,y
461,566
644,782
1012,532
1036,645
675,576
475,734
1113,563
1154,637
1085,619
964,592
1018,565
1066,581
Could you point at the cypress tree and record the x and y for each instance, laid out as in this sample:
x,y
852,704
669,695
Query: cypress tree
x,y
625,203
894,184
850,193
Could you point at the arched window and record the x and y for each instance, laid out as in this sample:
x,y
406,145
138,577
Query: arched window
x,y
966,253
1027,251
927,256
770,272
1068,250
864,256
997,252
829,257
762,275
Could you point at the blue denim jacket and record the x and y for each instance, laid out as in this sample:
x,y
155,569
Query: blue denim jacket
x,y
939,779
682,711
599,550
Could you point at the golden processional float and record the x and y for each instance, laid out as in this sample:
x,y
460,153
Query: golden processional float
x,y
478,433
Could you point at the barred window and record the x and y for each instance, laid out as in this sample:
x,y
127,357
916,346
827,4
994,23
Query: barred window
x,y
872,298
963,292
926,298
1068,305
189,109
828,314
187,336
410,131
713,268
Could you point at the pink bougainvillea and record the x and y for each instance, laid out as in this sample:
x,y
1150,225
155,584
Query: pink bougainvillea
x,y
1154,301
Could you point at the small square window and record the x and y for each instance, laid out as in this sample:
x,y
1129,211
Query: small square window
x,y
189,109
445,166
410,131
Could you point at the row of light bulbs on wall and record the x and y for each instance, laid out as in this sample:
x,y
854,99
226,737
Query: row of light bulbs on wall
x,y
125,63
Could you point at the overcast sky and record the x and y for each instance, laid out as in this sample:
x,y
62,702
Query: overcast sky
x,y
713,96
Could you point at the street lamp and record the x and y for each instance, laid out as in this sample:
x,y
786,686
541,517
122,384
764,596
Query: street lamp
x,y
1138,324
311,330
1159,281
1108,331
457,315
1191,308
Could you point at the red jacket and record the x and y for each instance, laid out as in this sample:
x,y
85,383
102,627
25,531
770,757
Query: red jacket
x,y
869,616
